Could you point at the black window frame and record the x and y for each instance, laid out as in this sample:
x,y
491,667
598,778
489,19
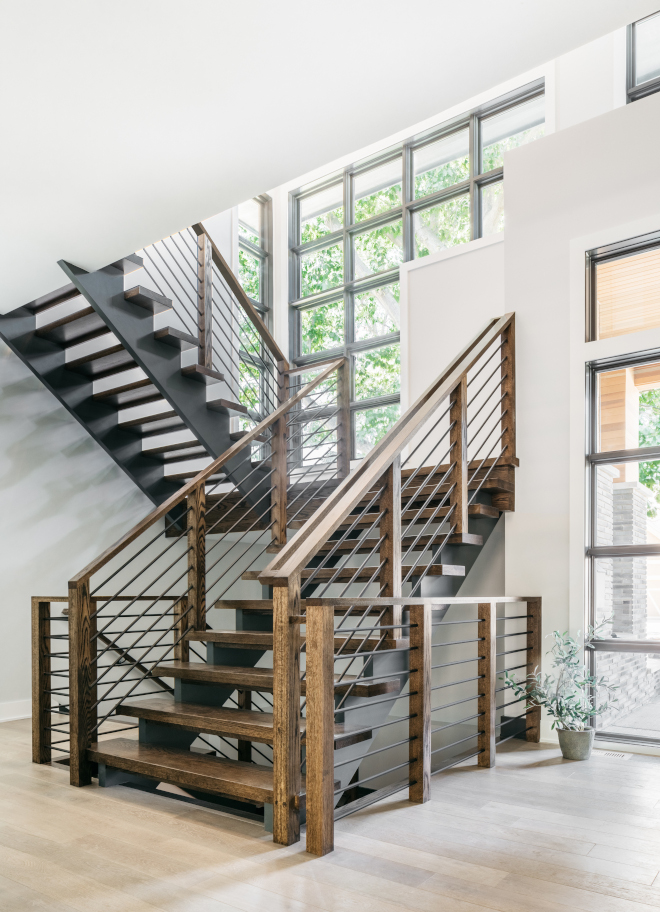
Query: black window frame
x,y
635,92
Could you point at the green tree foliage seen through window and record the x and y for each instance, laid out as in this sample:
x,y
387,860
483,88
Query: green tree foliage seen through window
x,y
649,435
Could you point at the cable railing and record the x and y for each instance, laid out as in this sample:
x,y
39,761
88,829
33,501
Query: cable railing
x,y
131,611
382,532
211,308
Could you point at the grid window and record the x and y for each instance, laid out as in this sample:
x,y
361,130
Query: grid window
x,y
350,233
624,288
254,258
644,57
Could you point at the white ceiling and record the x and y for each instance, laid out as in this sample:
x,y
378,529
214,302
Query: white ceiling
x,y
125,121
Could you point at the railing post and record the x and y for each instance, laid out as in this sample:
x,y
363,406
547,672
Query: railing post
x,y
343,421
41,667
420,702
390,549
205,301
509,390
319,729
458,497
181,625
487,666
533,721
197,556
81,677
278,445
286,712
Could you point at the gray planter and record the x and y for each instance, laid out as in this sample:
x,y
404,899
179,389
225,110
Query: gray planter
x,y
576,745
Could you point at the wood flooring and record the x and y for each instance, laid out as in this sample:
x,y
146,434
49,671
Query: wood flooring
x,y
534,834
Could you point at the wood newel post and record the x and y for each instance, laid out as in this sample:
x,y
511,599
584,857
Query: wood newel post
x,y
204,301
534,636
458,498
390,549
182,623
286,712
279,450
487,669
81,678
41,668
343,421
509,391
420,702
319,730
197,557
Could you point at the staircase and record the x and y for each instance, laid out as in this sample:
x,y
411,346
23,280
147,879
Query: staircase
x,y
252,641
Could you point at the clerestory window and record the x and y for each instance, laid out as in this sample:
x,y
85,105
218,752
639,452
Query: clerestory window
x,y
644,57
350,232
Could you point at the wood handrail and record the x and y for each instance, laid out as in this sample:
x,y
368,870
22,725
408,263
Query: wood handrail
x,y
243,300
202,476
295,556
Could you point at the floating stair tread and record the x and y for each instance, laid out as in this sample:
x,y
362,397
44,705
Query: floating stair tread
x,y
246,724
202,374
265,606
226,405
80,326
368,544
257,678
232,778
129,263
428,513
177,338
150,300
53,298
365,574
238,435
258,639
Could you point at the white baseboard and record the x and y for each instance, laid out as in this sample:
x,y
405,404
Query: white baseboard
x,y
15,709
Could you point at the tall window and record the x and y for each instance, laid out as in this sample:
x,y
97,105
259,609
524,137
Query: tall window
x,y
644,57
254,252
351,232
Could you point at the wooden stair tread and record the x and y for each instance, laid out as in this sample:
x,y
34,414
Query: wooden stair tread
x,y
187,769
260,639
257,678
368,519
226,405
464,538
176,338
344,574
150,300
265,606
246,724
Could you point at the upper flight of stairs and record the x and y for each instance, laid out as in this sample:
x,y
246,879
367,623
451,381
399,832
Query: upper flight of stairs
x,y
93,345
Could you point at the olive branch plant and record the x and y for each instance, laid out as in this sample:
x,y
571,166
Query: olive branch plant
x,y
570,696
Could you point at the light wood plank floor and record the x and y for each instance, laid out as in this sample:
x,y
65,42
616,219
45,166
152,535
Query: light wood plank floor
x,y
535,834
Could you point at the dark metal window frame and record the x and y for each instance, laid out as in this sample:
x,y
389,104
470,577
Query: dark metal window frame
x,y
634,92
352,286
593,552
264,254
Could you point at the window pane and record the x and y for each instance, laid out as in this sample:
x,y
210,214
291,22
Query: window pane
x,y
378,190
510,129
647,49
442,226
371,425
627,595
492,209
250,214
322,213
636,713
628,294
377,312
379,249
321,269
629,410
377,372
322,327
249,274
628,504
441,164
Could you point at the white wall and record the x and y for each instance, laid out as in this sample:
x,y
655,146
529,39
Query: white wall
x,y
63,500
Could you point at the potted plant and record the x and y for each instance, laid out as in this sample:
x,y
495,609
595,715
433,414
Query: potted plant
x,y
569,696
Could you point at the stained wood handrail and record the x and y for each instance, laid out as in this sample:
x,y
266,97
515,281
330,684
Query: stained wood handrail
x,y
202,476
295,556
243,300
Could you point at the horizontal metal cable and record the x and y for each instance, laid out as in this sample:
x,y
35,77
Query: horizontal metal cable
x,y
453,683
352,785
457,702
460,662
458,722
456,762
455,743
378,751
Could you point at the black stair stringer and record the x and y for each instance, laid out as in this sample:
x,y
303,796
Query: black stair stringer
x,y
133,326
73,390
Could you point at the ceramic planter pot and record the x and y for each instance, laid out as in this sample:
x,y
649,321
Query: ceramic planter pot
x,y
576,745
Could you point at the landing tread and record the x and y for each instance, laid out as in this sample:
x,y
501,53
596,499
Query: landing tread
x,y
185,768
